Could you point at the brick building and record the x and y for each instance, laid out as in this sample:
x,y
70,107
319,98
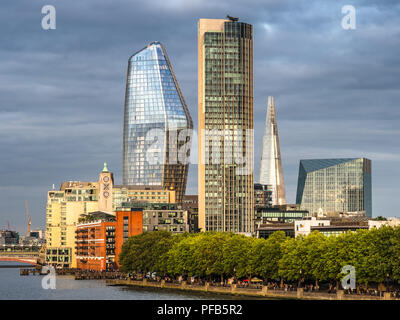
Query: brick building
x,y
95,242
100,236
128,224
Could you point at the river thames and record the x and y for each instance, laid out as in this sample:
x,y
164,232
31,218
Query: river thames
x,y
16,287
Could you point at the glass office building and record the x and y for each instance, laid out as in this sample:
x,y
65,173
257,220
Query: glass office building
x,y
335,185
156,120
225,115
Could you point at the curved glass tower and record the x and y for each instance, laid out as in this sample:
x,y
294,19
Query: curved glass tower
x,y
156,142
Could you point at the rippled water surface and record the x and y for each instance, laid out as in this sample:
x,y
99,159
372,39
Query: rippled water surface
x,y
14,286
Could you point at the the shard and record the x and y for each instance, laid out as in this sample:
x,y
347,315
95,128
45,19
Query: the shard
x,y
157,123
271,163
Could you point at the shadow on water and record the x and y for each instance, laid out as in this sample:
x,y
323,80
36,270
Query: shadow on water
x,y
198,294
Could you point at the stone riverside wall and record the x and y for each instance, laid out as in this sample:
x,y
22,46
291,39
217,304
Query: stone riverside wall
x,y
234,290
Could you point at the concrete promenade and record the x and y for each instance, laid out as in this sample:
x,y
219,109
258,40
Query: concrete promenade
x,y
247,292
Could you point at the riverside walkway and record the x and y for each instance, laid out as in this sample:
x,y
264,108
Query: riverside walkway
x,y
249,292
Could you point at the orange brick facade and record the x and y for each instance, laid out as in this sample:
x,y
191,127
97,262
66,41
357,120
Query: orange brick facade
x,y
99,243
94,249
128,224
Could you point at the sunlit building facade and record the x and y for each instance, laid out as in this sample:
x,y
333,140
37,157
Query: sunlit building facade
x,y
63,210
271,173
225,115
153,194
156,139
335,185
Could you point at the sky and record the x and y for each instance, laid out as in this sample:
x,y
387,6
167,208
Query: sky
x,y
336,91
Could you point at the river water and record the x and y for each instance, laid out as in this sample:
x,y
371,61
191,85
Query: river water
x,y
14,286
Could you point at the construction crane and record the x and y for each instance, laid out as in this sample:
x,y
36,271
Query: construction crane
x,y
28,217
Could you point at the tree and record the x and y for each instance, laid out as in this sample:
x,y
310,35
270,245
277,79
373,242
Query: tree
x,y
180,258
301,257
377,262
265,255
313,246
394,250
338,252
290,263
208,253
236,256
145,252
374,254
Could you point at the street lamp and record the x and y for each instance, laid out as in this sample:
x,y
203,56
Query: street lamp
x,y
300,272
387,282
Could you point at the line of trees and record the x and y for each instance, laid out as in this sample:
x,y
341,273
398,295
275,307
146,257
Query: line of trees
x,y
375,254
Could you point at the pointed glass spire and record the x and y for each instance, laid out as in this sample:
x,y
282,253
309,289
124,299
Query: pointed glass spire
x,y
271,163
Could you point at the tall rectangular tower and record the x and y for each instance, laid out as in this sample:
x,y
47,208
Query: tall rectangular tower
x,y
225,115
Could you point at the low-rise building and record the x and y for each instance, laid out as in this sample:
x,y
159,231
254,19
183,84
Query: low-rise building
x,y
128,223
262,195
161,216
327,227
95,242
280,213
175,221
391,222
64,207
152,194
191,204
100,236
266,230
76,198
9,237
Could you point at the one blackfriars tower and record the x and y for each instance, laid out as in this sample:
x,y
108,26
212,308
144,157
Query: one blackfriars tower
x,y
157,124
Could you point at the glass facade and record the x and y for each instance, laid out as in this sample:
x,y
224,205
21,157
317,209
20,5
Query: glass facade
x,y
155,122
335,185
271,172
59,257
265,215
262,195
225,115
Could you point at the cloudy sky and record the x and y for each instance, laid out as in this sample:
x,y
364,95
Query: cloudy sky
x,y
62,91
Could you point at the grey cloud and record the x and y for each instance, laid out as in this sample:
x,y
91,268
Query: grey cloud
x,y
62,91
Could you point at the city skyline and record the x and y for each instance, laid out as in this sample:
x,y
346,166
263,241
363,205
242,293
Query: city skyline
x,y
314,89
